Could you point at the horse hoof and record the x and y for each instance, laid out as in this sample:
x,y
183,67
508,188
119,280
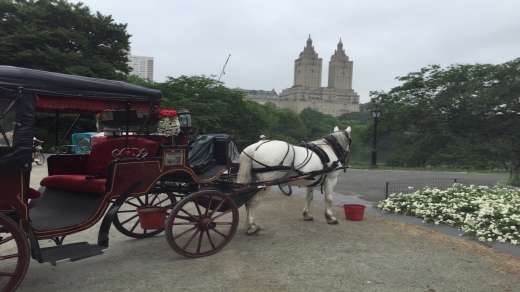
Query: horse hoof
x,y
333,222
308,218
253,230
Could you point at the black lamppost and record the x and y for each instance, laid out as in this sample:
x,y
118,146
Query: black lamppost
x,y
184,116
375,114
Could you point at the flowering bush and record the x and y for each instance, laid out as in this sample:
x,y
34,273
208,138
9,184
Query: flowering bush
x,y
169,123
489,214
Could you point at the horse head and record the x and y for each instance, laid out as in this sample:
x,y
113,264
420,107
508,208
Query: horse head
x,y
343,137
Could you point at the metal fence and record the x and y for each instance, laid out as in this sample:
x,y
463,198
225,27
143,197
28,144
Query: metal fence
x,y
407,186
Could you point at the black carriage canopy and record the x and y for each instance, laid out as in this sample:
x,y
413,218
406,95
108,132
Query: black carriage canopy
x,y
26,91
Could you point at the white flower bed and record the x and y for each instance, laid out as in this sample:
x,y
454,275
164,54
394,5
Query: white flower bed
x,y
488,213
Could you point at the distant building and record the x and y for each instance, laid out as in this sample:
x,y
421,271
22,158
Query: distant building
x,y
262,96
336,99
141,66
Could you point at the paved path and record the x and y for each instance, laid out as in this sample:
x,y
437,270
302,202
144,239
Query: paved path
x,y
289,254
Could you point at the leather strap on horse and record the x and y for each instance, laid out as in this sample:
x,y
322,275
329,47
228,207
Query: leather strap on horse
x,y
342,154
280,166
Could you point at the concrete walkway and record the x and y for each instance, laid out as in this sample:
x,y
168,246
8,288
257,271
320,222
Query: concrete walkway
x,y
290,254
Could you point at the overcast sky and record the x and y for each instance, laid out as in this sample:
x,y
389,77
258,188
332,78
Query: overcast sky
x,y
384,38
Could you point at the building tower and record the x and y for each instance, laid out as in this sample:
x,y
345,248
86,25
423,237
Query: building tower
x,y
141,66
340,69
307,68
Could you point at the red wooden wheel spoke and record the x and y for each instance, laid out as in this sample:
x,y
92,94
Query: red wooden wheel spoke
x,y
220,233
223,223
208,207
130,219
158,203
6,239
127,219
201,235
6,274
126,211
133,204
190,240
189,214
198,209
223,213
11,256
185,232
183,223
199,238
217,208
210,239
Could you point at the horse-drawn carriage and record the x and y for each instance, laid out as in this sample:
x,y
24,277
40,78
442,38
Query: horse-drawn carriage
x,y
139,182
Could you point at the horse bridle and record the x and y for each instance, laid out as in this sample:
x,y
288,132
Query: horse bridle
x,y
342,154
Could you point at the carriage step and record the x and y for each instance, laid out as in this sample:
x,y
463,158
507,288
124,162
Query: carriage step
x,y
70,252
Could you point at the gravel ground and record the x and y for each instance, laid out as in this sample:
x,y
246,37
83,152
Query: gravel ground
x,y
289,254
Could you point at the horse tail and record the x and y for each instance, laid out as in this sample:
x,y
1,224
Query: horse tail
x,y
246,164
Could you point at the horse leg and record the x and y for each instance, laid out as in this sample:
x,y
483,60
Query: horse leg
x,y
251,226
329,185
307,209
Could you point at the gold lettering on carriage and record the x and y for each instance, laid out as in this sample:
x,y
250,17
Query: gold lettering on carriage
x,y
173,158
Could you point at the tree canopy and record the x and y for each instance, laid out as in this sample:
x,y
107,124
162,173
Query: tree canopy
x,y
62,37
463,115
214,107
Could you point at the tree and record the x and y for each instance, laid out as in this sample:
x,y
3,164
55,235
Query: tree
x,y
215,108
58,36
464,115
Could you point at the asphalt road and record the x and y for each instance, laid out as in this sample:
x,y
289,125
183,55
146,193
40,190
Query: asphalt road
x,y
370,184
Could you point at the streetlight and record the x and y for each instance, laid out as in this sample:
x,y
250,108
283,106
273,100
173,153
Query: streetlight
x,y
375,114
184,116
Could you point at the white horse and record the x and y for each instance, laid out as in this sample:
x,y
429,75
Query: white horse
x,y
270,160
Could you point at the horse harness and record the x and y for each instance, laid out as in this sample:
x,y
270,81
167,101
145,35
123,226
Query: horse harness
x,y
342,154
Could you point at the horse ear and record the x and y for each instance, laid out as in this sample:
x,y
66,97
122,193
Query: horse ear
x,y
348,129
336,129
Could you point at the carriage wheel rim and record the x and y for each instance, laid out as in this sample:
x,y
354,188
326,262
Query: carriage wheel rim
x,y
201,228
22,253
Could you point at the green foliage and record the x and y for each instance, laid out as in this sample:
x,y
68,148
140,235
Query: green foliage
x,y
215,108
362,118
62,37
460,116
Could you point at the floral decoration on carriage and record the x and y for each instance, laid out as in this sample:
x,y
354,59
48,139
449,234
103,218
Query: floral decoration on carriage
x,y
168,124
175,124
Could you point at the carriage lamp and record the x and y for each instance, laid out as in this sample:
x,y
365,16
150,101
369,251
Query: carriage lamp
x,y
375,114
184,117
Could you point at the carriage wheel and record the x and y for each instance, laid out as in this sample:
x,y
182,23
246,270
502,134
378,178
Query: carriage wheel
x,y
14,254
127,219
41,159
202,224
286,189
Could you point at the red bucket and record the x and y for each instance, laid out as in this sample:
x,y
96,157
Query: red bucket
x,y
354,212
152,217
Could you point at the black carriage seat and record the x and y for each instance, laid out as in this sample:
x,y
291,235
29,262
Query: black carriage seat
x,y
92,179
209,155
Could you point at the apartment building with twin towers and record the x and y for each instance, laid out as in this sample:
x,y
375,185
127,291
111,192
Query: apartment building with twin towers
x,y
335,99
